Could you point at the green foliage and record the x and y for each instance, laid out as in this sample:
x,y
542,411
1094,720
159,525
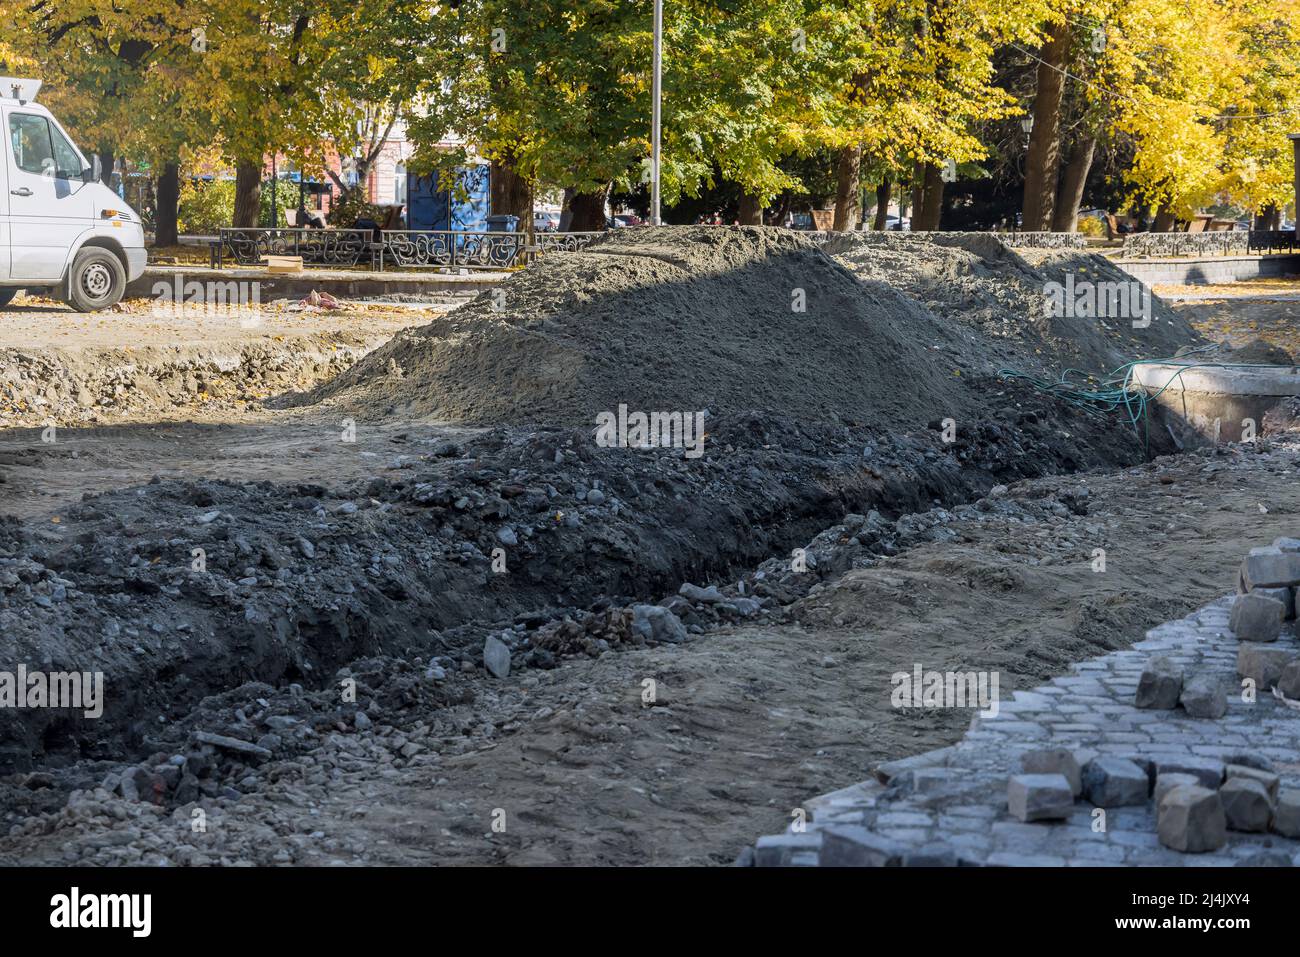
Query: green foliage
x,y
206,206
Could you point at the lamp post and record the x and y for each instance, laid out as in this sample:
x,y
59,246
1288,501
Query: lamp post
x,y
1027,124
657,91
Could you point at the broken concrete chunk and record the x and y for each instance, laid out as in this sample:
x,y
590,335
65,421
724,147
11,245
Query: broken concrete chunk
x,y
1256,617
1266,568
1204,697
1191,819
695,593
1262,665
496,657
1167,782
1039,797
231,744
1207,771
1266,778
1054,761
658,624
1245,805
1286,816
1114,782
1160,685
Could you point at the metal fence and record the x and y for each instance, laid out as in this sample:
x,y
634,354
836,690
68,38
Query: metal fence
x,y
409,248
1239,242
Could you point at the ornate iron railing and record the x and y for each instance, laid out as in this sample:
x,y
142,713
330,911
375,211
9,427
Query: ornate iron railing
x,y
1169,245
426,249
1264,241
317,247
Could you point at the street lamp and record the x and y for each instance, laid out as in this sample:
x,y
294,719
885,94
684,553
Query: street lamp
x,y
1027,124
657,92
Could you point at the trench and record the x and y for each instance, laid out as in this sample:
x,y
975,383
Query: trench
x,y
407,573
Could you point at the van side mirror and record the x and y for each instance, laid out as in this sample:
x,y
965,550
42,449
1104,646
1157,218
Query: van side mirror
x,y
94,172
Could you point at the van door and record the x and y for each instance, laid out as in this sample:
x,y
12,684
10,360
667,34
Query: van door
x,y
4,217
48,210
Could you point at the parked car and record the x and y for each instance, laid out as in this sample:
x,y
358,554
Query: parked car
x,y
898,225
545,221
61,228
623,220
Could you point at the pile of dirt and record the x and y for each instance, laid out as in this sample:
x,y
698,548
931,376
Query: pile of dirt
x,y
666,319
978,281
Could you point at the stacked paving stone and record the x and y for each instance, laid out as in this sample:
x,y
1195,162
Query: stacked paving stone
x,y
1146,756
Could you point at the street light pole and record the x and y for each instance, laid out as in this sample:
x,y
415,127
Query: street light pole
x,y
655,118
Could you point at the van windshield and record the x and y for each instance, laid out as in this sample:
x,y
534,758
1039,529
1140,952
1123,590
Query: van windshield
x,y
41,149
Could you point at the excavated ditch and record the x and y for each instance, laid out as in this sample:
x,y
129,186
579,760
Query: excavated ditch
x,y
180,590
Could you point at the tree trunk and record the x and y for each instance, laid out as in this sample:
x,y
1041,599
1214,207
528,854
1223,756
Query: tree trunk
x,y
751,210
918,191
511,194
588,211
167,199
1065,219
1042,165
882,203
1165,220
847,191
106,161
1268,218
248,194
932,200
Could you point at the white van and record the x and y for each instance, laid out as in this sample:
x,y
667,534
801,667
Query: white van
x,y
62,231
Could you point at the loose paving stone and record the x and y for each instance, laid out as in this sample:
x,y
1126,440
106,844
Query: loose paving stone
x,y
1288,682
1191,820
931,855
1039,797
1269,568
1257,617
1264,666
1114,782
1245,804
776,850
1286,815
1167,782
1248,759
1160,684
1285,595
1204,697
1207,771
852,846
1266,778
1054,761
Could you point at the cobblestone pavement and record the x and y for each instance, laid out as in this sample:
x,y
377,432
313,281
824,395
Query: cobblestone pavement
x,y
950,806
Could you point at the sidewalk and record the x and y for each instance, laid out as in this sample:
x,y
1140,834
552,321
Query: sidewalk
x,y
950,806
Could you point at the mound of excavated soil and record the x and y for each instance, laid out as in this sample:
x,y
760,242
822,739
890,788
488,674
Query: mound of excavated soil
x,y
673,319
977,280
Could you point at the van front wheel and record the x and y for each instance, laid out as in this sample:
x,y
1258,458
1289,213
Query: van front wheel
x,y
97,280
